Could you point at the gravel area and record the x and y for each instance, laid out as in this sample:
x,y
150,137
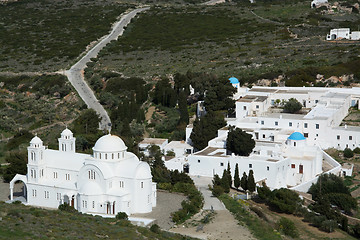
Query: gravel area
x,y
165,205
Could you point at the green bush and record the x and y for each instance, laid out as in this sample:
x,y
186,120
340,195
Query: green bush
x,y
357,150
66,208
121,216
328,226
217,191
155,228
287,227
348,153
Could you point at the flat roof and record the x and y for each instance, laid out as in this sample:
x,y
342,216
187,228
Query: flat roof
x,y
252,98
153,141
285,116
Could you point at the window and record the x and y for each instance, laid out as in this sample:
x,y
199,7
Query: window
x,y
55,175
46,194
221,164
257,106
91,174
316,101
142,184
350,137
264,136
118,155
306,135
34,192
244,107
305,125
290,124
67,176
112,156
268,168
317,126
294,144
93,204
292,165
338,137
105,155
262,122
276,123
121,184
58,196
250,165
198,160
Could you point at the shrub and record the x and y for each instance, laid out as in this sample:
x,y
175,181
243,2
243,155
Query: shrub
x,y
348,153
357,150
155,228
287,227
292,106
121,216
66,208
217,191
328,226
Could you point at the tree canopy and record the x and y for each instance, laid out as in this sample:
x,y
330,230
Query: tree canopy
x,y
292,106
205,129
219,96
239,142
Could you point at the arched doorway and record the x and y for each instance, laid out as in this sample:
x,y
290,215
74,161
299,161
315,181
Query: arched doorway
x,y
20,191
18,188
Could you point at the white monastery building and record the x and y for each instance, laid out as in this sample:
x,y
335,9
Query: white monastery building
x,y
109,181
343,33
289,147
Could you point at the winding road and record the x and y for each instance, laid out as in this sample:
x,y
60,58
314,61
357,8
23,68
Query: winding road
x,y
76,73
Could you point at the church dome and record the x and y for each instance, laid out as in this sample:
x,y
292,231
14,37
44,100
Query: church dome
x,y
233,80
36,140
66,132
109,143
296,136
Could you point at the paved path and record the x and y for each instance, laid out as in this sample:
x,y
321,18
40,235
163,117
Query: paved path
x,y
213,2
76,73
202,184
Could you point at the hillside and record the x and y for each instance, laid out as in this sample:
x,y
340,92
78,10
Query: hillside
x,y
23,222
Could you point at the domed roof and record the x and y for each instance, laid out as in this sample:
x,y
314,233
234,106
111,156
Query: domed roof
x,y
296,136
233,80
36,140
143,171
91,188
109,143
66,132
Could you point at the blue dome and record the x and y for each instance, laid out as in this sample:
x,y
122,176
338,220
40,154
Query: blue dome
x,y
233,80
296,136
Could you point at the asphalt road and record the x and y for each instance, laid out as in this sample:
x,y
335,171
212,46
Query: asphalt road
x,y
76,76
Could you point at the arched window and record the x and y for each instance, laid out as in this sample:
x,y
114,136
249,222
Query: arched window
x,y
32,156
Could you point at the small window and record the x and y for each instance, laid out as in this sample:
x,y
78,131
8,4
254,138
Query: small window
x,y
317,126
142,184
257,106
338,137
264,136
305,125
268,168
244,107
262,122
198,160
294,144
250,165
292,165
93,204
290,124
350,137
118,155
306,135
276,123
316,101
221,164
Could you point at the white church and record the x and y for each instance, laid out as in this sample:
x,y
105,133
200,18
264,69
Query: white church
x,y
109,181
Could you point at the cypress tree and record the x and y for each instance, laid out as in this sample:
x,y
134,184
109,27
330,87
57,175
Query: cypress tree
x,y
236,177
229,175
251,186
225,181
243,181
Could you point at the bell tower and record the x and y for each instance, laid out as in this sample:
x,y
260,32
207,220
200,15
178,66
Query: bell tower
x,y
67,141
36,163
